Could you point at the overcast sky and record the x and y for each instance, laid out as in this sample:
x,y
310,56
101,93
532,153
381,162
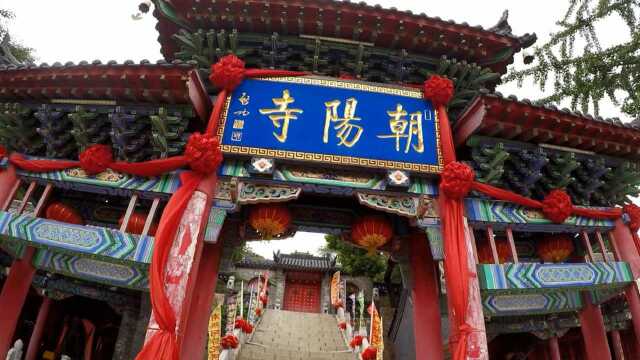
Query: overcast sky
x,y
75,30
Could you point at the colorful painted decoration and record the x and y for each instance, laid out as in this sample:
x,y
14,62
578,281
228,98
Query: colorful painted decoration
x,y
270,220
486,257
335,290
555,248
213,348
371,232
136,223
62,212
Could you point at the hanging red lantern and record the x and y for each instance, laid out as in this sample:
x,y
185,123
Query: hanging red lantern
x,y
270,220
555,247
62,212
485,255
371,232
136,223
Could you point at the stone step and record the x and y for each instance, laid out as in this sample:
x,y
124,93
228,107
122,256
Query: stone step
x,y
289,335
254,352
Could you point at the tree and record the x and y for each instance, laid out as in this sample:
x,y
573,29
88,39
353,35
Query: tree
x,y
355,261
244,251
20,52
595,73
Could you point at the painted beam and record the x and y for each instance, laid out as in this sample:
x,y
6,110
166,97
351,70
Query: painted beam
x,y
531,304
108,182
110,245
500,214
91,269
536,277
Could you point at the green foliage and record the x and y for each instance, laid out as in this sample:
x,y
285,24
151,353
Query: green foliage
x,y
19,51
589,76
355,261
244,251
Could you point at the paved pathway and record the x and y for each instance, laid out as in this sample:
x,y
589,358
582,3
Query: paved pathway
x,y
288,335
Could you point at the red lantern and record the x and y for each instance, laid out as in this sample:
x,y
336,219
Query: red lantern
x,y
258,312
371,232
342,325
62,212
555,248
270,220
485,255
136,223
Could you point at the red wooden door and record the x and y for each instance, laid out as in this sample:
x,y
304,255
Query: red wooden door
x,y
302,292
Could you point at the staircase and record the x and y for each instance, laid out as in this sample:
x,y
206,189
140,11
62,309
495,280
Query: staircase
x,y
289,335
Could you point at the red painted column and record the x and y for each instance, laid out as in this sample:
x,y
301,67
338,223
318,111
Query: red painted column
x,y
36,335
593,332
628,252
617,345
13,295
426,304
195,334
8,179
554,348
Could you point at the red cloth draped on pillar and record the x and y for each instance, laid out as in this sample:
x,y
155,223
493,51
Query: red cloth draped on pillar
x,y
455,184
202,155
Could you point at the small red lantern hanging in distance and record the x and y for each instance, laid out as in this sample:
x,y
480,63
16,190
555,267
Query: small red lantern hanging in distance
x,y
136,223
64,213
485,255
270,220
555,247
371,232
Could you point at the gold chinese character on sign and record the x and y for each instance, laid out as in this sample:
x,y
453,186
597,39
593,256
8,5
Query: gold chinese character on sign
x,y
238,124
347,132
401,128
244,99
281,115
243,112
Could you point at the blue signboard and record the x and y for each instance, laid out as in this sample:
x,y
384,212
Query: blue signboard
x,y
332,121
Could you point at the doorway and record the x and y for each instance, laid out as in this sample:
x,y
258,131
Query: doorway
x,y
302,291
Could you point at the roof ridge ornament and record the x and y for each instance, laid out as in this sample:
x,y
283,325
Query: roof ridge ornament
x,y
502,27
